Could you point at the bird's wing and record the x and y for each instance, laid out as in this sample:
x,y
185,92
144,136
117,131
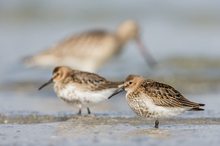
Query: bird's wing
x,y
84,44
165,95
92,81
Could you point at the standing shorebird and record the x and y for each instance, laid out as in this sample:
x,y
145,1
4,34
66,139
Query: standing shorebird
x,y
151,99
80,88
88,51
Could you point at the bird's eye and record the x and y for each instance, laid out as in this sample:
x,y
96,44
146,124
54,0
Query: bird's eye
x,y
130,83
58,74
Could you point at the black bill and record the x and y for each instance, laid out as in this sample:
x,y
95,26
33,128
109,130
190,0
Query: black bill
x,y
119,90
145,52
47,83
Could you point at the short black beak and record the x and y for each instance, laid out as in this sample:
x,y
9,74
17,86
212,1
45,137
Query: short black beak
x,y
47,83
116,92
147,56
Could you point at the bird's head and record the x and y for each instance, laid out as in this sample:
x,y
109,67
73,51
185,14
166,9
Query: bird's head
x,y
131,82
59,74
127,30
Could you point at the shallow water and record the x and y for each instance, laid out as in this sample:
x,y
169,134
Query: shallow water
x,y
183,36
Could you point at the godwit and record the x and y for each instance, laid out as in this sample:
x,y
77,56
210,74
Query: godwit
x,y
90,50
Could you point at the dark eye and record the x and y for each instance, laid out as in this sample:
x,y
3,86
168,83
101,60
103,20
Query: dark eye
x,y
130,83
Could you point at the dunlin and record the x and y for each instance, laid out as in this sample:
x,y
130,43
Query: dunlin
x,y
88,51
80,88
151,99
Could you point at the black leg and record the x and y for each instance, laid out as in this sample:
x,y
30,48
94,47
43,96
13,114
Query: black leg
x,y
79,112
156,124
88,110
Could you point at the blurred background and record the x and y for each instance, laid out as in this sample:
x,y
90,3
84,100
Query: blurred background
x,y
183,36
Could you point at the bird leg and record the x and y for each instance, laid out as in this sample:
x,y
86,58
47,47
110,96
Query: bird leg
x,y
156,124
79,112
88,110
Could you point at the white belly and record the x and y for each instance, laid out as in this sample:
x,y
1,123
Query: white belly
x,y
71,94
168,111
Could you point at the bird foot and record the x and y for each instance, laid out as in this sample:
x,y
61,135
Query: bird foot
x,y
156,124
79,112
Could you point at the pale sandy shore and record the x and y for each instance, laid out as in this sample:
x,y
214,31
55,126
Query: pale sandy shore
x,y
106,130
104,119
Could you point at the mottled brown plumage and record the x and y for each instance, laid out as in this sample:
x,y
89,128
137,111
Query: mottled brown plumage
x,y
165,95
148,98
80,88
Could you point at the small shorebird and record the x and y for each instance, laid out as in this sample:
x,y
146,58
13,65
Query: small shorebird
x,y
151,99
80,88
88,51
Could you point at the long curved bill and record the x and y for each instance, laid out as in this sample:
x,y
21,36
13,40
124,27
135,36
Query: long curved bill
x,y
47,83
145,52
119,90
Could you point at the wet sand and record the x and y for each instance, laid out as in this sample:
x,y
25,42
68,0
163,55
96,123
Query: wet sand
x,y
101,119
107,130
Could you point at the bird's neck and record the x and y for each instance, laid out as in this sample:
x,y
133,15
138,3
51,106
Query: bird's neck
x,y
122,38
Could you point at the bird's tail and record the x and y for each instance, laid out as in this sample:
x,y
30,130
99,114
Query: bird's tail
x,y
198,108
42,60
27,61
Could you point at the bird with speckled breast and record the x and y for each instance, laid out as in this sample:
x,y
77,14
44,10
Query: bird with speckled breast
x,y
151,99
